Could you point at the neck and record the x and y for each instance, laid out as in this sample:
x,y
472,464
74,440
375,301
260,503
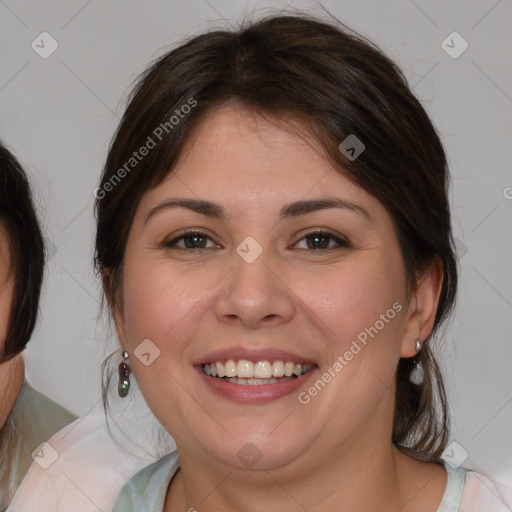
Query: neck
x,y
12,373
361,476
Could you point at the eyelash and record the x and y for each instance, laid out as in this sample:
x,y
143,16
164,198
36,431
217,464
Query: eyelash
x,y
172,244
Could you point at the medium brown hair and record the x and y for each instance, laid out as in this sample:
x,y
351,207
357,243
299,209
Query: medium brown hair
x,y
334,83
26,248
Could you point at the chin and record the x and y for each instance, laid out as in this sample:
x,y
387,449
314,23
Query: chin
x,y
258,453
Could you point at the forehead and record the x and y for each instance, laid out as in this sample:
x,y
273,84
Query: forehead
x,y
242,143
237,156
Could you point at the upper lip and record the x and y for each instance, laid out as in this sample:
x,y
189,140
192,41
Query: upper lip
x,y
255,354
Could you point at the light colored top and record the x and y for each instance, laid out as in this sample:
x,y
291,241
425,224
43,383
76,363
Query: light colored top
x,y
95,458
148,488
466,491
33,420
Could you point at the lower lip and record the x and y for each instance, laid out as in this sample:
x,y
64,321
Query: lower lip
x,y
245,393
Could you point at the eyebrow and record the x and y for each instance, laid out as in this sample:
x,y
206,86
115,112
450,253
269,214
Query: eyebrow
x,y
291,210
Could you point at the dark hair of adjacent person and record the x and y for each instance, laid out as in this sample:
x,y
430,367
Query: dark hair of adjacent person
x,y
335,83
27,254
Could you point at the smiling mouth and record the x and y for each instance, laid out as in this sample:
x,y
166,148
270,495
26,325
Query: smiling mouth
x,y
245,372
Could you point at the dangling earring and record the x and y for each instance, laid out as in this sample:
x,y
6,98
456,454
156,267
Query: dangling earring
x,y
417,374
124,377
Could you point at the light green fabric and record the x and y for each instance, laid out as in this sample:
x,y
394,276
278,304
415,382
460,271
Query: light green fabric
x,y
146,491
33,420
454,489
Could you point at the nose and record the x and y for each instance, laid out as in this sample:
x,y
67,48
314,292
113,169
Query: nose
x,y
255,294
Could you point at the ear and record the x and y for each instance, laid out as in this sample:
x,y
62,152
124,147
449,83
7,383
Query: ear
x,y
422,309
115,304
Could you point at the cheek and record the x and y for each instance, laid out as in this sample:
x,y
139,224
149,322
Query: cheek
x,y
163,303
158,305
354,299
362,309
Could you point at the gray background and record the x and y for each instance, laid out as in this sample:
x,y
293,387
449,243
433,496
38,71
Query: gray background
x,y
58,115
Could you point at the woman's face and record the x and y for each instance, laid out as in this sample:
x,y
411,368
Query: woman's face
x,y
6,285
247,281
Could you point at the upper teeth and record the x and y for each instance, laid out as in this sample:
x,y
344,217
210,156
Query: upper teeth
x,y
259,370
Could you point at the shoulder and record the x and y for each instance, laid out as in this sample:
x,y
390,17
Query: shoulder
x,y
469,491
33,420
147,489
481,494
34,408
87,463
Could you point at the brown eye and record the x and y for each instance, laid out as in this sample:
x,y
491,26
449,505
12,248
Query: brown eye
x,y
194,241
318,241
191,240
322,240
